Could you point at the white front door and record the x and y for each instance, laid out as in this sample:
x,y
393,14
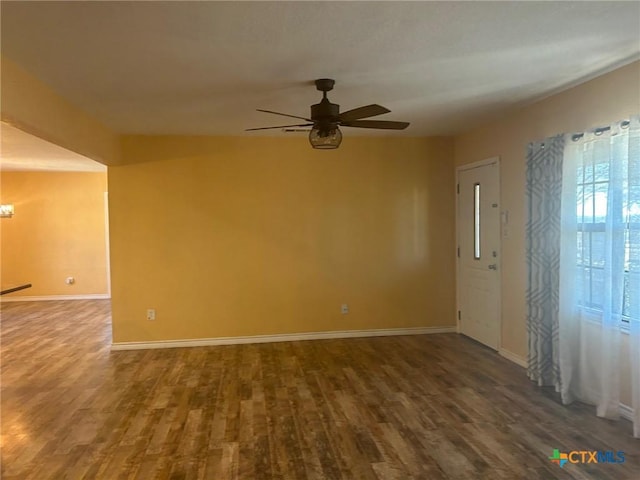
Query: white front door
x,y
478,226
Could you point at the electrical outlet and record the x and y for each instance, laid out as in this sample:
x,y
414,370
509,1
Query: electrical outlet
x,y
151,314
69,280
344,309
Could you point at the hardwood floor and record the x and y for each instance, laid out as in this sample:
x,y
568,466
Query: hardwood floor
x,y
428,407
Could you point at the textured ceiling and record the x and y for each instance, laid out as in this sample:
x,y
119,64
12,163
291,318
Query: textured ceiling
x,y
204,67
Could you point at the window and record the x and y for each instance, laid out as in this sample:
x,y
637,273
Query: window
x,y
608,214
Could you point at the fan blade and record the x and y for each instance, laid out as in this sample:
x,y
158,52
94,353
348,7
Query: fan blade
x,y
284,114
280,126
384,124
363,112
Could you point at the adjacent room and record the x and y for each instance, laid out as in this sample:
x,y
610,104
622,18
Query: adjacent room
x,y
320,240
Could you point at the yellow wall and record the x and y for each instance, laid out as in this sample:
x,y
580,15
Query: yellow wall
x,y
58,231
32,106
250,236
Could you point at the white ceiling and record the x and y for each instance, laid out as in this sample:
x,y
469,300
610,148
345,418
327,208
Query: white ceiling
x,y
204,67
22,151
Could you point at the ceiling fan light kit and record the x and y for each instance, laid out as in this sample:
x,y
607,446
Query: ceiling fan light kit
x,y
326,119
325,139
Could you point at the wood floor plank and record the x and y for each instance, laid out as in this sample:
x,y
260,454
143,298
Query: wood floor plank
x,y
417,407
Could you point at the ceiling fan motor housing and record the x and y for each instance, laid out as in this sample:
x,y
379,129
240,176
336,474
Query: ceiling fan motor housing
x,y
325,111
325,115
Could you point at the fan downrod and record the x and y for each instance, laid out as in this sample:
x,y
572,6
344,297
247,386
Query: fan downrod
x,y
325,84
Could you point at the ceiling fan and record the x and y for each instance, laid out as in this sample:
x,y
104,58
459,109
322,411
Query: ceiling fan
x,y
326,119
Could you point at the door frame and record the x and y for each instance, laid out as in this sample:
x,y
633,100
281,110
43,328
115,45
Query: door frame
x,y
470,166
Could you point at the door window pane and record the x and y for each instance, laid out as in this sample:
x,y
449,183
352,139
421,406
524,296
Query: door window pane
x,y
476,221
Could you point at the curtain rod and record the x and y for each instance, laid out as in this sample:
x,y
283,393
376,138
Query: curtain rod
x,y
598,131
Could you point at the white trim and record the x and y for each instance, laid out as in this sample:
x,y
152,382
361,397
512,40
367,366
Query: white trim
x,y
626,412
517,359
44,298
106,242
479,163
286,337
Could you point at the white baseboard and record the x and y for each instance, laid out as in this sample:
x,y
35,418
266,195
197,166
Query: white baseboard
x,y
626,412
287,337
44,298
517,359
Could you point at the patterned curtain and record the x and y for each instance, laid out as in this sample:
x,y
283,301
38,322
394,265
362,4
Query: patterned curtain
x,y
544,188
